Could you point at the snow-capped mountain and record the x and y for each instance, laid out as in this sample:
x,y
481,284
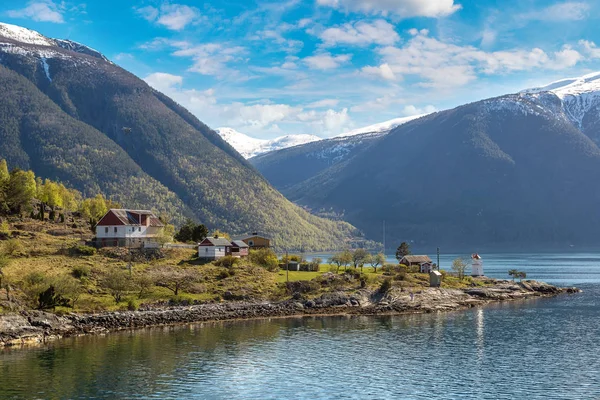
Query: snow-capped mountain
x,y
12,35
579,100
381,128
249,147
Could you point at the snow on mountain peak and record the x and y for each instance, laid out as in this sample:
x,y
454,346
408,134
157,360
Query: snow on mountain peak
x,y
382,127
31,37
24,35
249,147
570,86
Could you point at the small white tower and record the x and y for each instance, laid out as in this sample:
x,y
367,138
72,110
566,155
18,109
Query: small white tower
x,y
476,265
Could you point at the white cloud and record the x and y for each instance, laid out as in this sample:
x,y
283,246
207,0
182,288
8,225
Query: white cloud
x,y
383,71
590,48
361,34
568,11
173,16
211,58
325,61
402,8
42,11
323,103
443,65
257,119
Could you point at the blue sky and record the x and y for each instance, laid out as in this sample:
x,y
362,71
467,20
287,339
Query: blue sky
x,y
326,66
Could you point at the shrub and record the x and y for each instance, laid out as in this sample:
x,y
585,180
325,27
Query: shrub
x,y
400,276
223,274
50,299
386,285
81,271
227,261
4,227
12,247
265,258
303,286
82,250
132,305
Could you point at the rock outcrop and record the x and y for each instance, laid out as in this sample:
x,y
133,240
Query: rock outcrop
x,y
32,327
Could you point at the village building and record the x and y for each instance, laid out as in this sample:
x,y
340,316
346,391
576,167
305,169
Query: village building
x,y
424,262
256,241
435,278
128,228
213,248
239,248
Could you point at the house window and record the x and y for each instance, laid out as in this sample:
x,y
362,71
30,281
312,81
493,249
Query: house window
x,y
115,229
140,229
106,230
206,249
250,242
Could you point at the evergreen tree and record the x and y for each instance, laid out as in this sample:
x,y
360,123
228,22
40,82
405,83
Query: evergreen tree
x,y
402,250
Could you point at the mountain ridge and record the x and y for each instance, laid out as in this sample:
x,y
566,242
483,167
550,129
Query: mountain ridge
x,y
127,130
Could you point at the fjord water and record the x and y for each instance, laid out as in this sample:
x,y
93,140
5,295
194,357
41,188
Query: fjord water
x,y
536,349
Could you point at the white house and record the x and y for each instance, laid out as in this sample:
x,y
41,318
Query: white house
x,y
213,248
128,228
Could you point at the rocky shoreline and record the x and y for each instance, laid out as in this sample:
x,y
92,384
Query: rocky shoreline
x,y
38,327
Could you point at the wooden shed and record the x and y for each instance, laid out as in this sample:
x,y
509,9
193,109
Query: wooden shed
x,y
435,278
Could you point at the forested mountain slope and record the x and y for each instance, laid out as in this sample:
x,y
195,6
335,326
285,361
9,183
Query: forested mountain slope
x,y
512,172
69,114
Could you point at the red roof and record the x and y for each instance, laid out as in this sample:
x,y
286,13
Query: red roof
x,y
129,217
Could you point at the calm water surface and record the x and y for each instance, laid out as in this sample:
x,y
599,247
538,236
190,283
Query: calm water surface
x,y
539,349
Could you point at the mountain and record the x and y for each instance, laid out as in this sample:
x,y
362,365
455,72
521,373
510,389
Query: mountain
x,y
69,114
250,147
516,172
288,167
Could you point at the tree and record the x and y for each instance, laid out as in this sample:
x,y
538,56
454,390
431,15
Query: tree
x,y
359,257
190,232
346,258
376,260
266,258
459,266
174,278
521,275
4,261
21,190
337,260
402,250
165,235
4,180
514,273
117,282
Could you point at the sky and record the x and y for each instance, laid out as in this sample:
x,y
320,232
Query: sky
x,y
323,67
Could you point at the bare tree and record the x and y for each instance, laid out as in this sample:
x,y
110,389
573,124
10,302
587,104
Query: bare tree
x,y
117,282
376,260
174,278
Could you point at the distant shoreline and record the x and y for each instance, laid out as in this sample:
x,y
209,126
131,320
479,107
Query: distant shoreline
x,y
37,327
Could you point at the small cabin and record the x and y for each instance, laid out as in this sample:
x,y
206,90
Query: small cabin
x,y
435,278
239,248
256,241
424,262
213,248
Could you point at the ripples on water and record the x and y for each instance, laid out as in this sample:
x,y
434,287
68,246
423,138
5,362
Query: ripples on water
x,y
537,349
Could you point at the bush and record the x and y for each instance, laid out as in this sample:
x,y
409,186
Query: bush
x,y
4,227
400,276
81,271
227,261
132,305
386,285
12,247
82,250
223,274
265,258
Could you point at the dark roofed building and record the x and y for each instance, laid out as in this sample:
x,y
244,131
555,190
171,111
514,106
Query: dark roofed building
x,y
424,262
213,248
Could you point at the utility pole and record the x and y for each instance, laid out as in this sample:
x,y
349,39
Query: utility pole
x,y
438,258
287,266
384,237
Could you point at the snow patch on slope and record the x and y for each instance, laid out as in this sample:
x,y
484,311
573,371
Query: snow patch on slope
x,y
382,127
46,69
578,95
249,147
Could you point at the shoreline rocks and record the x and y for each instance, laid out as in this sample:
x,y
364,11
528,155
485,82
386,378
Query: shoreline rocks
x,y
38,327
